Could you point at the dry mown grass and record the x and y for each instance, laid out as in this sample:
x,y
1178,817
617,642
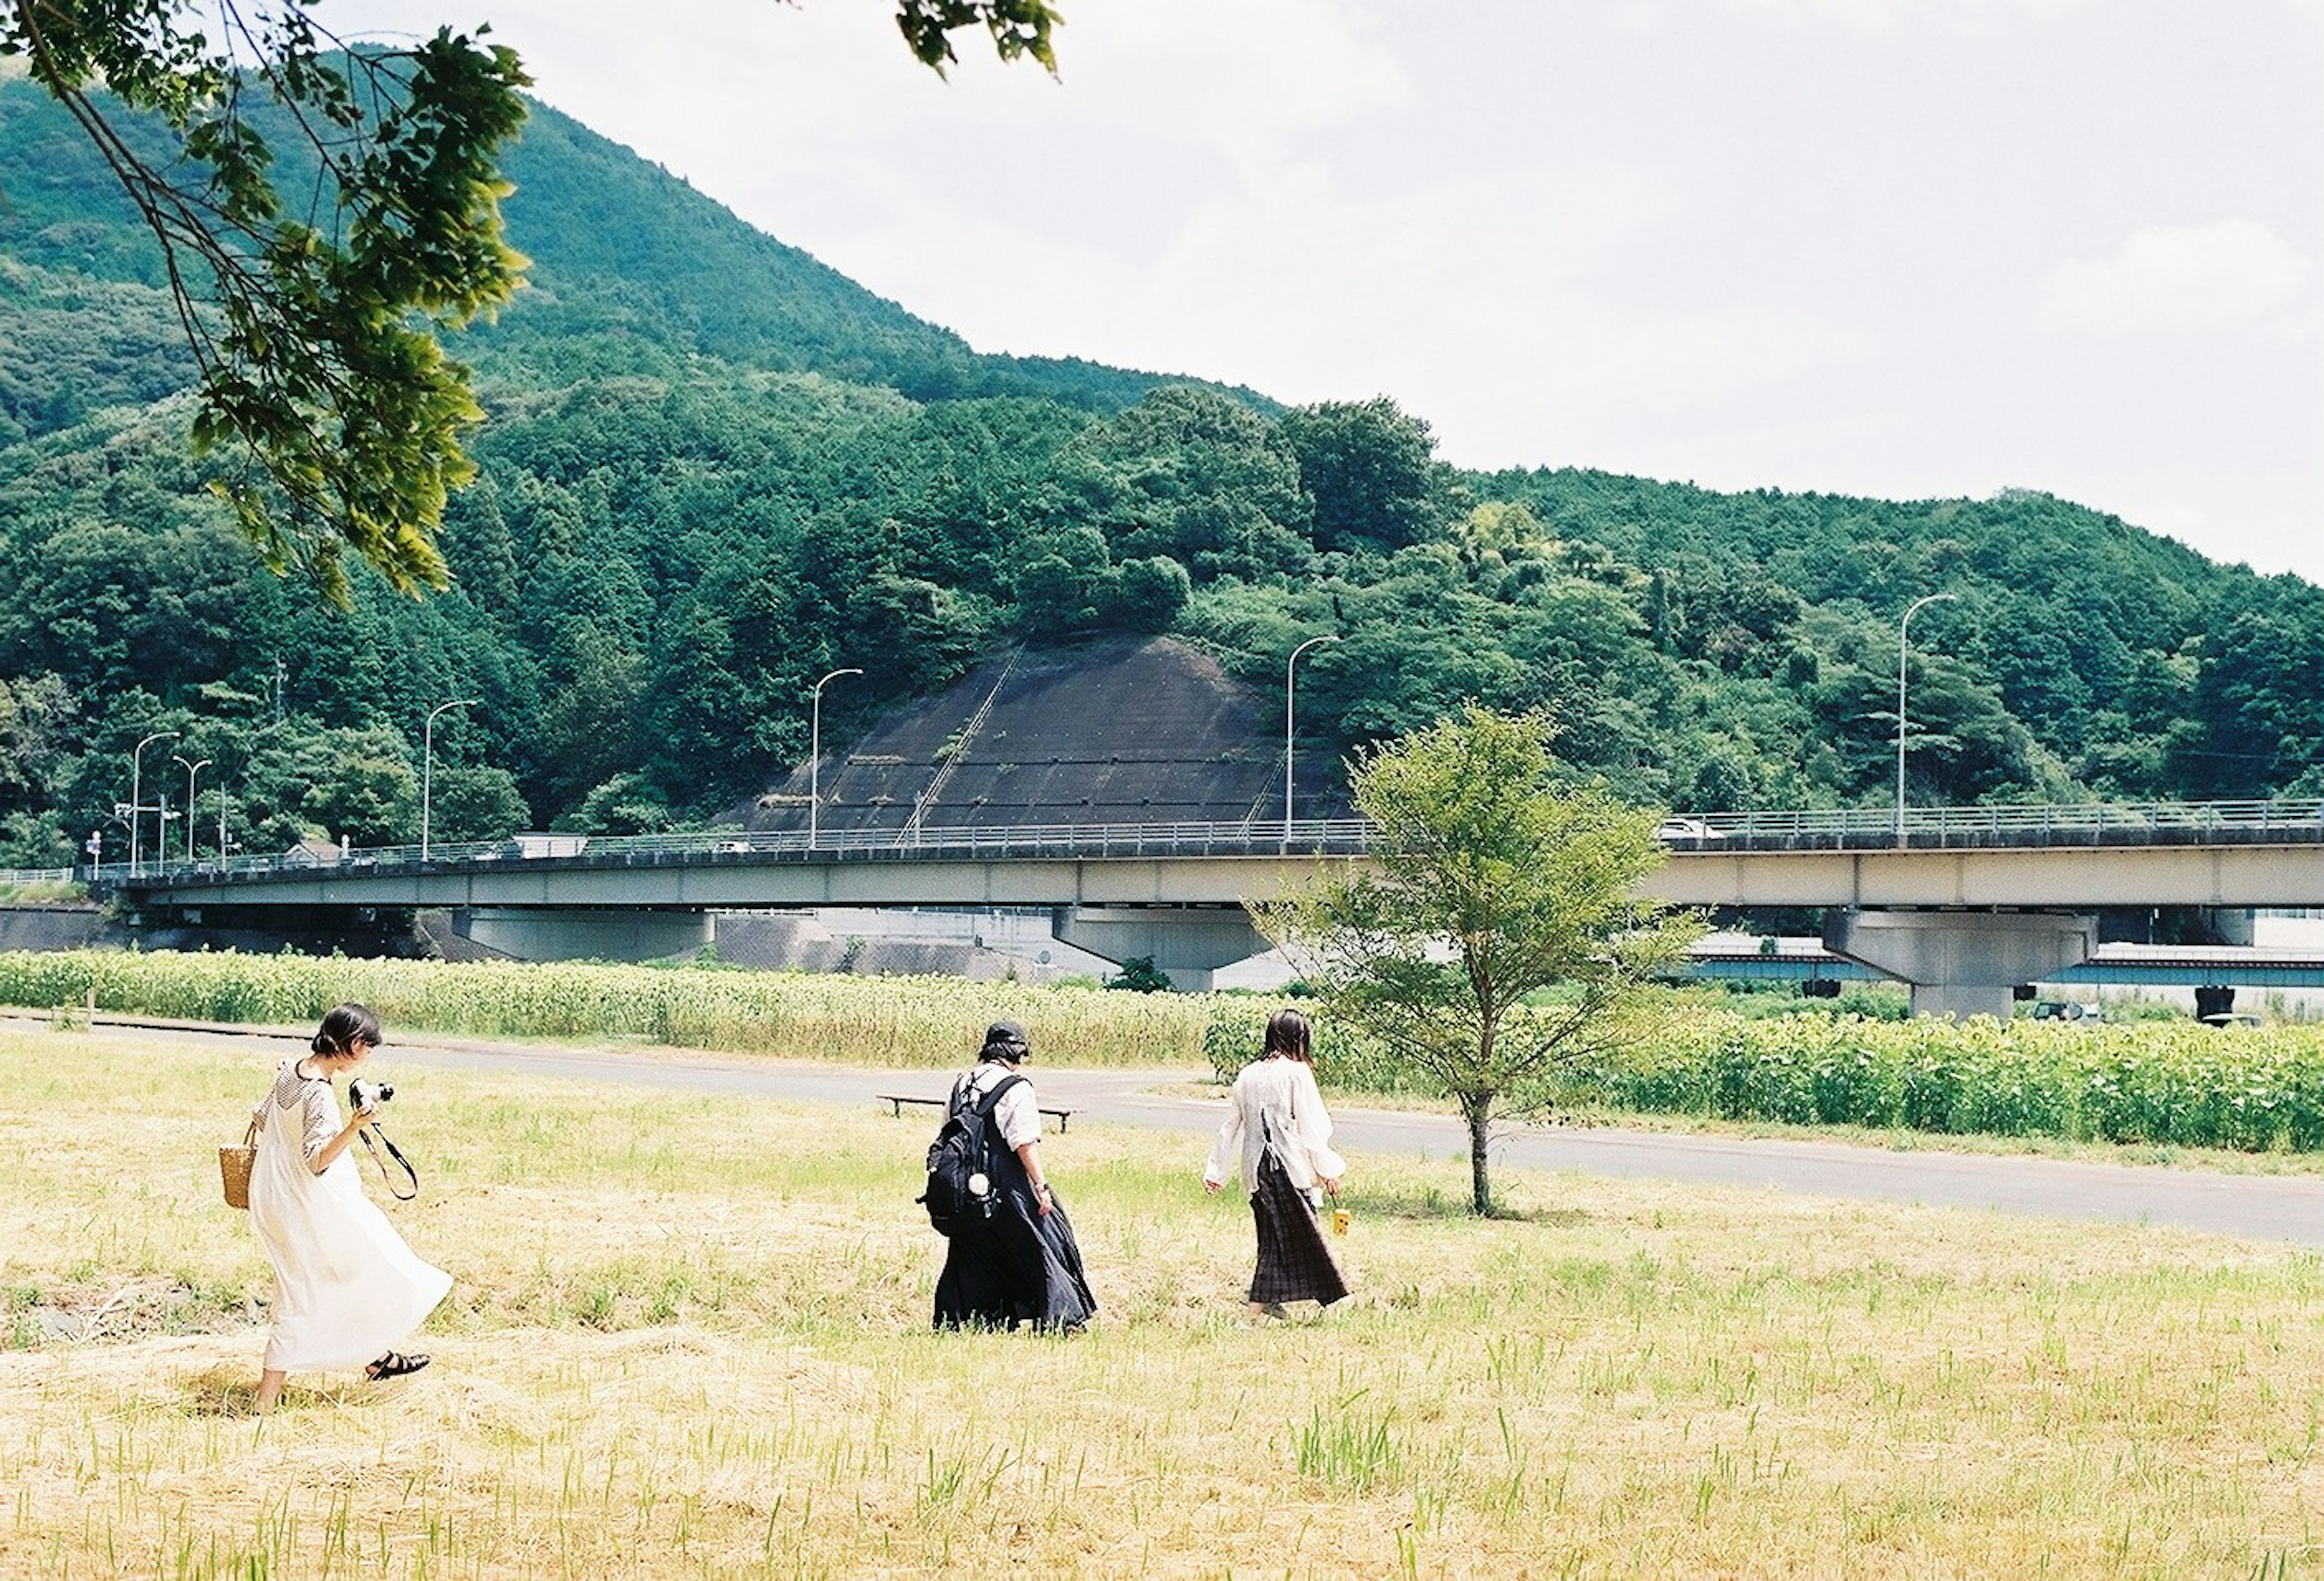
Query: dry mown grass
x,y
687,1340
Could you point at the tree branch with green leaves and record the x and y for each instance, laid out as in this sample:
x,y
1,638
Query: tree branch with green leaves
x,y
324,213
313,312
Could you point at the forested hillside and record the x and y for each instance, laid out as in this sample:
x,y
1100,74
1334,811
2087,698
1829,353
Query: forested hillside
x,y
714,469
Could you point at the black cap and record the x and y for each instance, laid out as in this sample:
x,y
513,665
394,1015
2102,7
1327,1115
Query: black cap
x,y
1005,1039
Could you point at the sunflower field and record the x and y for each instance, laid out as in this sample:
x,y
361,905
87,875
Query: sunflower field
x,y
2165,1083
889,1021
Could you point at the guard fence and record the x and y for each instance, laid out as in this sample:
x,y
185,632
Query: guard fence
x,y
2021,824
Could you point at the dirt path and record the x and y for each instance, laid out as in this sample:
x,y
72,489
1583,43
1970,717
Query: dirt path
x,y
2276,1208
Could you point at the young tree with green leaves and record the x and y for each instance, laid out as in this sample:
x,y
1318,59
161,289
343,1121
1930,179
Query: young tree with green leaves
x,y
1493,875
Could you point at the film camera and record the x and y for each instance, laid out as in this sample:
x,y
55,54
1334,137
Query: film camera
x,y
369,1095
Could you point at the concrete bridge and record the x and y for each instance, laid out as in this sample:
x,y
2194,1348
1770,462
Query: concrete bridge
x,y
1963,903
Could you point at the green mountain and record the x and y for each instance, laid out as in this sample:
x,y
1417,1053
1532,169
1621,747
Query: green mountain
x,y
633,271
716,469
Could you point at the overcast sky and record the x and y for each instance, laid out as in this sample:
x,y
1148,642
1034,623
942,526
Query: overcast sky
x,y
1905,248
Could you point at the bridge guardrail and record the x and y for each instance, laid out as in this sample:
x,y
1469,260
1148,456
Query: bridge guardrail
x,y
2013,818
1851,828
1339,837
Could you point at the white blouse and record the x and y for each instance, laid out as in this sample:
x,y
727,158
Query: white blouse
x,y
1018,1115
1275,1098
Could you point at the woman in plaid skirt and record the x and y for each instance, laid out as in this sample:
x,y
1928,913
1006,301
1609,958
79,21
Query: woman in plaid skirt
x,y
1278,1133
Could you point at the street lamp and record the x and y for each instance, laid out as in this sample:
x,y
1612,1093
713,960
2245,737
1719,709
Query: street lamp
x,y
814,758
1903,627
136,795
191,769
427,764
1288,699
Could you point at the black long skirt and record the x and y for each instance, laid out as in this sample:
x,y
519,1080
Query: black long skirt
x,y
1018,1266
1294,1262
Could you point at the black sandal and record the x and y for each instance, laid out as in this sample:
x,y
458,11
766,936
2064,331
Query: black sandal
x,y
395,1365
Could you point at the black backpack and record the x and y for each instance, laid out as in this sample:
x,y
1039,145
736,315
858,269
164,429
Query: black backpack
x,y
960,1162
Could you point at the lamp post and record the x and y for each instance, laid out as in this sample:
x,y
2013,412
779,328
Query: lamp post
x,y
815,758
1903,627
1289,697
191,769
428,765
137,796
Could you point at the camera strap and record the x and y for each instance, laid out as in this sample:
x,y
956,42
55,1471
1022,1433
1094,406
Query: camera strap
x,y
394,1152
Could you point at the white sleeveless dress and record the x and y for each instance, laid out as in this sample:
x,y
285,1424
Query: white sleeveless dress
x,y
346,1289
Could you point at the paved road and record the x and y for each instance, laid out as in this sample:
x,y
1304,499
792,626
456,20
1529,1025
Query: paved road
x,y
2276,1208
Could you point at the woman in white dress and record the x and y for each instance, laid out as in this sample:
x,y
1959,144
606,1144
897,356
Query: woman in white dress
x,y
346,1289
1278,1136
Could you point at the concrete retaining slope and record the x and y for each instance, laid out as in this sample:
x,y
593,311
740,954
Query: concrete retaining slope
x,y
51,927
804,944
1117,731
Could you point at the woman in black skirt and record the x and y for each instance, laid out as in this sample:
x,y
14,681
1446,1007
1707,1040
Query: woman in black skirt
x,y
1278,1134
1022,1263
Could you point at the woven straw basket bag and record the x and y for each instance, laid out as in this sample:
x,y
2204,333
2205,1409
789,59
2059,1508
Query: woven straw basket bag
x,y
234,1167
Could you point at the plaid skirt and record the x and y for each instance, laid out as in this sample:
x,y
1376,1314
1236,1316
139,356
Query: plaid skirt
x,y
1294,1262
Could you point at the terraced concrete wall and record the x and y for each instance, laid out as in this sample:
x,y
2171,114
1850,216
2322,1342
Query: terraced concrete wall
x,y
1120,732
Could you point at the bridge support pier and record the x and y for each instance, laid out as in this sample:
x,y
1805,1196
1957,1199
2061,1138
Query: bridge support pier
x,y
1190,943
556,933
1961,964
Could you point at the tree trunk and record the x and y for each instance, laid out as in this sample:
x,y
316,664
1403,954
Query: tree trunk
x,y
1478,1105
1479,1109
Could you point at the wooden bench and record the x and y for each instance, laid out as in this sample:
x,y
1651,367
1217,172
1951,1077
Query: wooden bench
x,y
897,1100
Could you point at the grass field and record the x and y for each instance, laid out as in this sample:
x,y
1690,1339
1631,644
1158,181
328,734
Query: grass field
x,y
689,1339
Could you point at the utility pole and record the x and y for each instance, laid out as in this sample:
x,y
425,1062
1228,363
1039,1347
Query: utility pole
x,y
192,769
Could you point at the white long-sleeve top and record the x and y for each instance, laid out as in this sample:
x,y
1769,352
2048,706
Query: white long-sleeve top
x,y
1277,1100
